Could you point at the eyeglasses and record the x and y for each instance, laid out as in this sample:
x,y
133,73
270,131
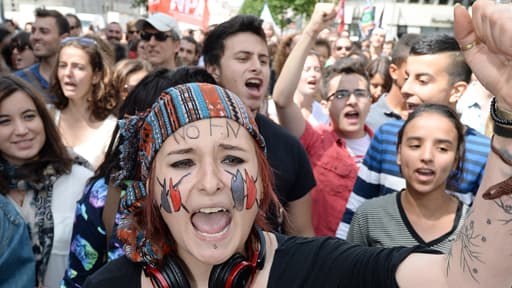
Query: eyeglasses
x,y
81,40
159,36
346,48
344,93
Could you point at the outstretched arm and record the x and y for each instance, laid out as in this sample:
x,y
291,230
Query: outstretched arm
x,y
289,114
482,252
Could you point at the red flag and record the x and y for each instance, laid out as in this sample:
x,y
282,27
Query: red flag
x,y
193,12
341,16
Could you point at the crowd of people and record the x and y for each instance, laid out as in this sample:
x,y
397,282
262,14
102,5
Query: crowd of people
x,y
234,157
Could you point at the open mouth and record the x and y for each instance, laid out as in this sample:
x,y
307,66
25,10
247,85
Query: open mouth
x,y
352,115
211,221
254,85
312,82
425,173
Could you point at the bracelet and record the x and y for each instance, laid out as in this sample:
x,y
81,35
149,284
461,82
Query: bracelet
x,y
503,131
502,188
501,117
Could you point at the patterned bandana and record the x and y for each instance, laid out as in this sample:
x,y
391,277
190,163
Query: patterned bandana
x,y
141,137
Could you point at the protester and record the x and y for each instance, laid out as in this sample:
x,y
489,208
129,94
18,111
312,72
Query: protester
x,y
335,151
236,54
127,73
387,48
22,53
48,30
85,104
189,51
41,180
377,38
380,79
5,44
324,50
310,85
342,48
114,32
75,25
430,152
161,36
391,106
436,73
94,241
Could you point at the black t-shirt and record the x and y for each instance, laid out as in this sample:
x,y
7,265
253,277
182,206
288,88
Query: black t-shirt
x,y
293,175
298,262
332,262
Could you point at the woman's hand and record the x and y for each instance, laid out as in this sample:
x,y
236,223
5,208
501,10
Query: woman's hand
x,y
486,41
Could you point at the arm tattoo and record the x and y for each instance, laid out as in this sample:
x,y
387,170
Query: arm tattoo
x,y
467,237
505,204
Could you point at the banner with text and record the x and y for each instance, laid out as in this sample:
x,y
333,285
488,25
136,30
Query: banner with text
x,y
193,12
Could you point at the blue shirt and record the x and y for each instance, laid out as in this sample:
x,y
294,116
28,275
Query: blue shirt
x,y
42,86
380,174
17,262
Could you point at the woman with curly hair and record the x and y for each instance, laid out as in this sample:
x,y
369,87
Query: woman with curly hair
x,y
85,105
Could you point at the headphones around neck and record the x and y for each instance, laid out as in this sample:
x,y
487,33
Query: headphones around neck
x,y
236,272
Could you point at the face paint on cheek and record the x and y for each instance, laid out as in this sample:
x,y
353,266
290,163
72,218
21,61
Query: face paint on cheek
x,y
172,192
237,189
251,189
164,202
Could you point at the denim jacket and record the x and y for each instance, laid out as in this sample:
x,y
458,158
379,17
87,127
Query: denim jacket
x,y
17,262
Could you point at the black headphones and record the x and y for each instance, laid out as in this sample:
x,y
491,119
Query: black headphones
x,y
236,272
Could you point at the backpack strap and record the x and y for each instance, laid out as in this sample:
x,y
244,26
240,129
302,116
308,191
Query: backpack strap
x,y
110,210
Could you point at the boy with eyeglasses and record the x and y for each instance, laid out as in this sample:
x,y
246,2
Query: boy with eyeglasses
x,y
160,33
335,151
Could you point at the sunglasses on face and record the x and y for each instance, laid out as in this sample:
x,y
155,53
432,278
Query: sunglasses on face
x,y
346,48
159,36
344,93
133,32
20,48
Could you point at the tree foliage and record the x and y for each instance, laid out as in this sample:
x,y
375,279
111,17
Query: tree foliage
x,y
278,8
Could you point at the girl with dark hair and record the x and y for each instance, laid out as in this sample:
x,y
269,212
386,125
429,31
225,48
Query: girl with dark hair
x,y
41,180
380,79
22,54
430,153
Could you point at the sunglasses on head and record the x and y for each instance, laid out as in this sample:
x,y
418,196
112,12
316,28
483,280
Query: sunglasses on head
x,y
159,36
81,40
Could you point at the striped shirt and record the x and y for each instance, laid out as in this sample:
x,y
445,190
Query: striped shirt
x,y
380,175
382,222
